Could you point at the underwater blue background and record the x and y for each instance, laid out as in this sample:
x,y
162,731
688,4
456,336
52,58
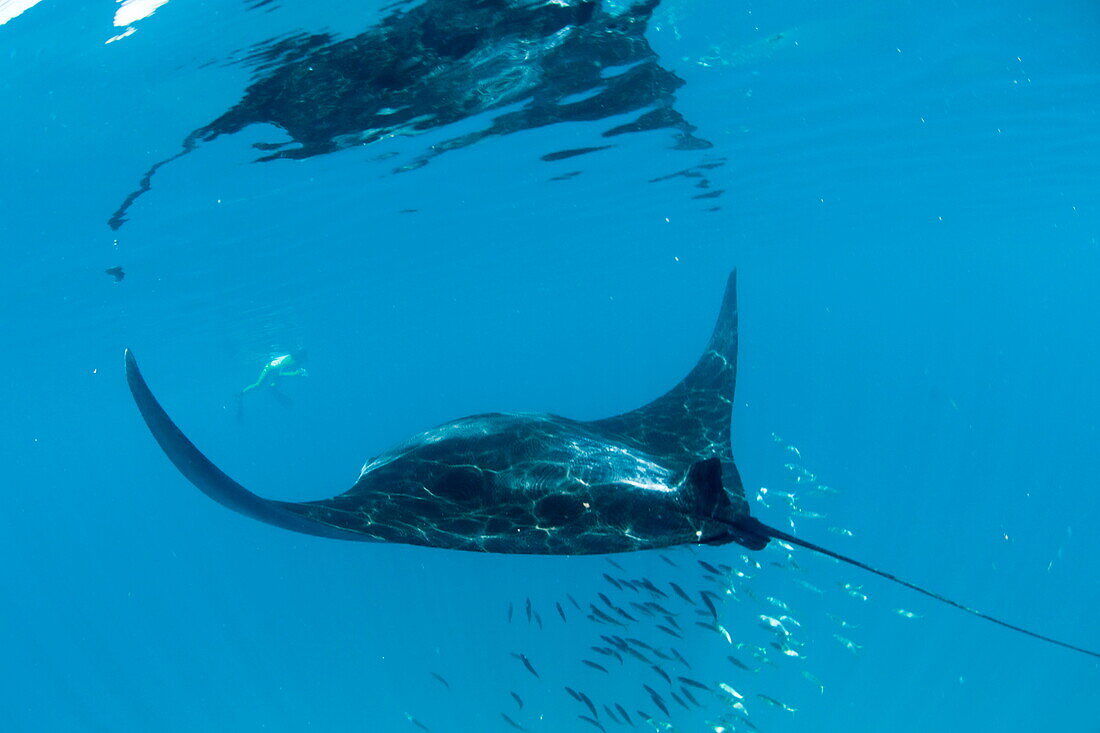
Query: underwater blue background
x,y
911,201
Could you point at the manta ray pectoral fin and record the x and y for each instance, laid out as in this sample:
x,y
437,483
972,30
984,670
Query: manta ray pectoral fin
x,y
693,418
749,525
209,479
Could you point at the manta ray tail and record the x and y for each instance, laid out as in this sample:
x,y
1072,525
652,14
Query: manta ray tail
x,y
752,526
200,471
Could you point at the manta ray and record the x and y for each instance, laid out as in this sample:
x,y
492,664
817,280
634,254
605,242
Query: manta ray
x,y
532,63
534,483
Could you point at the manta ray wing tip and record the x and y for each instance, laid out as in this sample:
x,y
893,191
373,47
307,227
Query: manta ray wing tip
x,y
130,362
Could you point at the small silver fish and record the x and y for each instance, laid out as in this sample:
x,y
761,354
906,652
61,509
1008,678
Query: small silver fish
x,y
738,663
809,586
773,624
728,689
848,644
740,706
788,497
776,703
855,591
787,650
416,722
789,620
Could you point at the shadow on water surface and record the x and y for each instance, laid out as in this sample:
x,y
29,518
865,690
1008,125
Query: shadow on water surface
x,y
446,61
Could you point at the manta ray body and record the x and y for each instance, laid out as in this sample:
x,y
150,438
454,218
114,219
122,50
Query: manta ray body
x,y
526,483
523,483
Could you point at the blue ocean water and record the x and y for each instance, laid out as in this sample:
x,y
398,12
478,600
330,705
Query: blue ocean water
x,y
910,198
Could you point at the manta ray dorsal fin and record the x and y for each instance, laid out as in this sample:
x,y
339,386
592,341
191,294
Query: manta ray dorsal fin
x,y
691,422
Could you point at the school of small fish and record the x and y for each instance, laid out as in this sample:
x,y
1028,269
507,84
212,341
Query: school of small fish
x,y
637,629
